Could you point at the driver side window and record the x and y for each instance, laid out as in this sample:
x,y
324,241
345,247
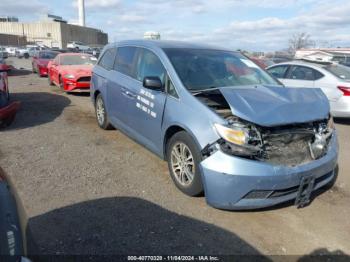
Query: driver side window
x,y
149,64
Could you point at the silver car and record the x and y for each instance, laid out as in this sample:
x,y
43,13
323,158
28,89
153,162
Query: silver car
x,y
333,79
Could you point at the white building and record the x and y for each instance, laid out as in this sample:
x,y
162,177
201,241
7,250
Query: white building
x,y
323,54
53,31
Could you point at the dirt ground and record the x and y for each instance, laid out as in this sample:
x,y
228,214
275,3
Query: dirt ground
x,y
89,191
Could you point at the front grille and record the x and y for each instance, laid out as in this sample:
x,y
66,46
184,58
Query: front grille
x,y
84,79
288,145
290,152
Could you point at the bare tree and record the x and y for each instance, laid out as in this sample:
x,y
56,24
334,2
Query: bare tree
x,y
300,40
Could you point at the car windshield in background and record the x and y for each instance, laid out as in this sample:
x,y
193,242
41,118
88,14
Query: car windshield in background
x,y
47,55
201,69
339,71
77,60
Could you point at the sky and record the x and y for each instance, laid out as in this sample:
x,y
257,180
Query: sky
x,y
253,25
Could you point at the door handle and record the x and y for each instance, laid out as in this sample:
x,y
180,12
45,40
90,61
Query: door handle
x,y
128,94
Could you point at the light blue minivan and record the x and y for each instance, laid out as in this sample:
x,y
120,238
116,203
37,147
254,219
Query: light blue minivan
x,y
226,127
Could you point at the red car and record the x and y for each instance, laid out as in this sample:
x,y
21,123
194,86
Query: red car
x,y
41,60
71,71
7,110
3,66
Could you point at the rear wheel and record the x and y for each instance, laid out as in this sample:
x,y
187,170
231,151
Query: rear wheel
x,y
101,114
183,159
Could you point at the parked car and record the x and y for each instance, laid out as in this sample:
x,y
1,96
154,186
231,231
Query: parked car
x,y
280,59
22,52
33,50
13,223
11,50
4,66
8,109
71,71
224,125
77,46
3,53
96,51
333,79
262,62
40,61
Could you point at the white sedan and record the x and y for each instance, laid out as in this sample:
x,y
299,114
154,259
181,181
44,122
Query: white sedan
x,y
333,79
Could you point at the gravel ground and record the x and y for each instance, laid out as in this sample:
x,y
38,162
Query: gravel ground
x,y
89,191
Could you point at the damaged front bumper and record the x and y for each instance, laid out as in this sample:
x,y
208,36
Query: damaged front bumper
x,y
237,183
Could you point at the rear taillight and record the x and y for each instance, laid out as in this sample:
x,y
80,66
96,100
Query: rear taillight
x,y
345,90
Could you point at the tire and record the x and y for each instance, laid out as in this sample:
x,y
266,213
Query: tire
x,y
101,114
26,55
49,79
33,69
186,176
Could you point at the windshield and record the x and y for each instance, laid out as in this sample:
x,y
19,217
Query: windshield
x,y
342,72
201,69
47,55
77,60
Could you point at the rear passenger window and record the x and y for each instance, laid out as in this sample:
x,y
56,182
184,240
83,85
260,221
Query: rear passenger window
x,y
149,65
125,60
318,75
302,73
278,71
107,59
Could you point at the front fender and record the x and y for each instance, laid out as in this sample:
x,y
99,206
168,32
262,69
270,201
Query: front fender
x,y
197,120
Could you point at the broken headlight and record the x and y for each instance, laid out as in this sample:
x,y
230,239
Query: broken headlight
x,y
234,134
239,138
323,132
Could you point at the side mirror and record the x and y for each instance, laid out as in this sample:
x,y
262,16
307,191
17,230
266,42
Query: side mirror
x,y
153,83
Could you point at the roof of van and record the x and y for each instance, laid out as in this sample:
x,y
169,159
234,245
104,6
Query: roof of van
x,y
168,44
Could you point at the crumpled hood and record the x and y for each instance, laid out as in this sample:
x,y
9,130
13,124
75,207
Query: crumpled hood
x,y
272,106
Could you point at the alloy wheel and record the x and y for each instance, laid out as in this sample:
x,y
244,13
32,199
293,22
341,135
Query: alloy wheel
x,y
182,163
100,111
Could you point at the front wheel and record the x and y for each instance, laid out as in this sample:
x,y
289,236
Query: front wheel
x,y
183,159
101,114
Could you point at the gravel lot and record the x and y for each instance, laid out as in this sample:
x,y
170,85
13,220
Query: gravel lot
x,y
89,191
